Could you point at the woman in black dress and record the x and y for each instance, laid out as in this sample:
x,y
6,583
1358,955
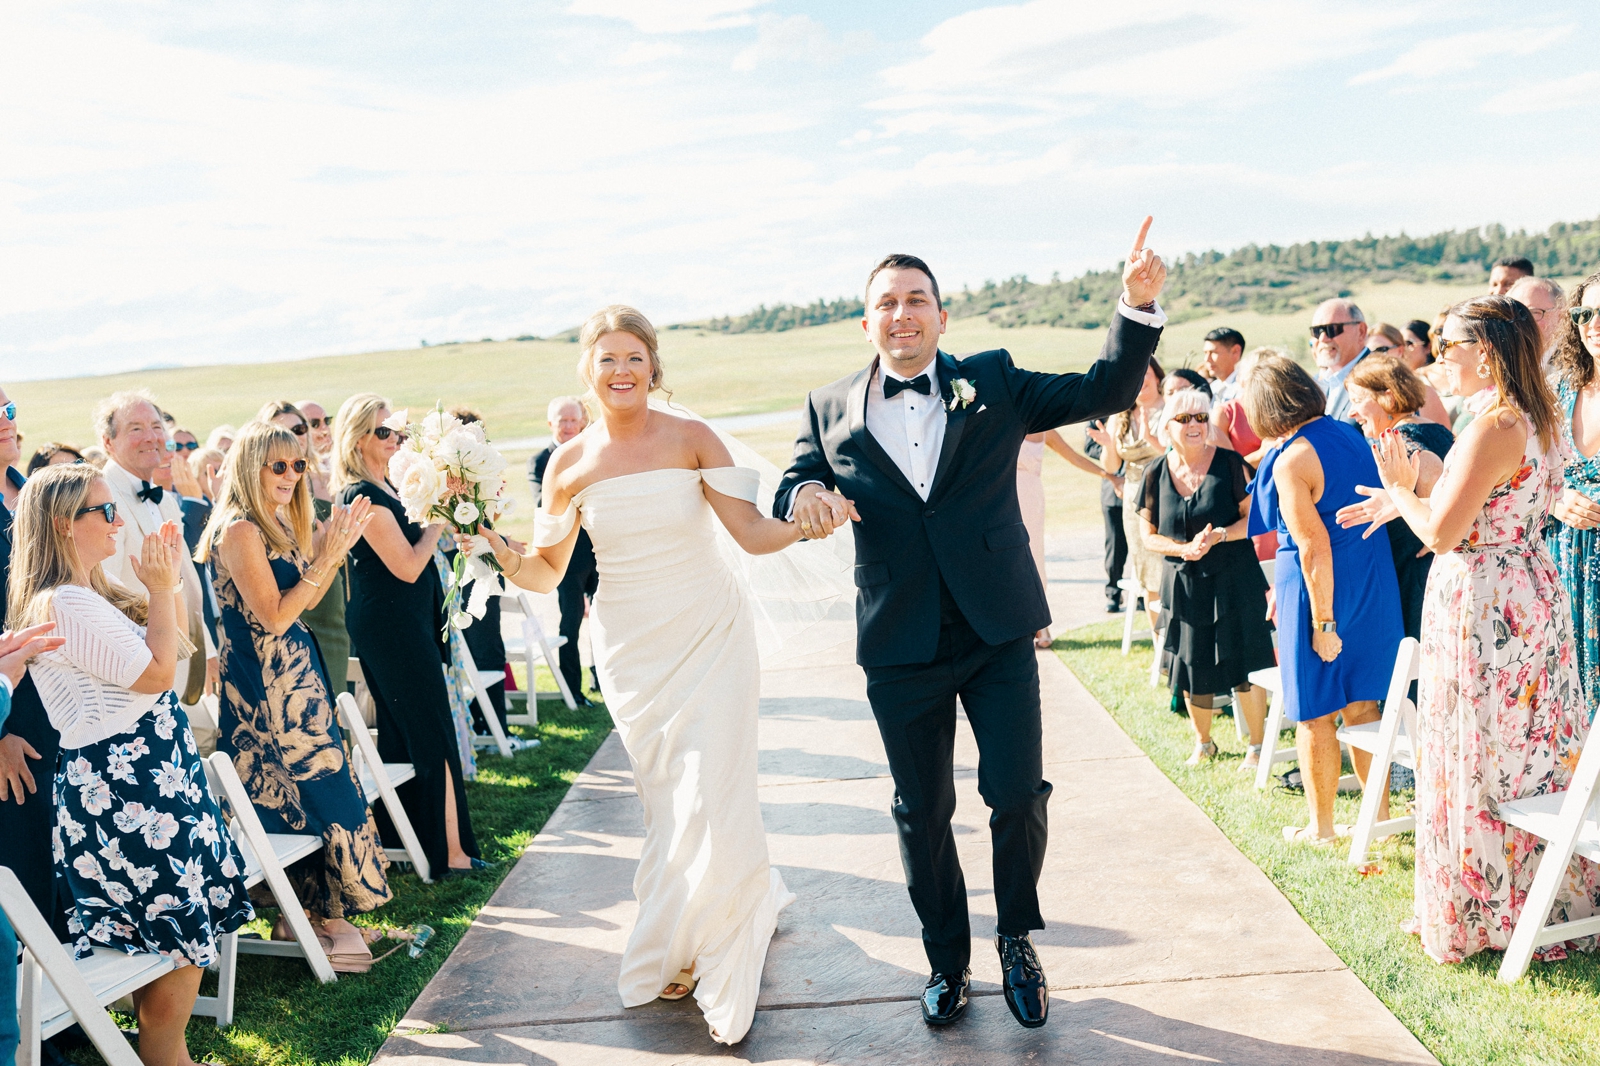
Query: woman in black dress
x,y
1194,506
1386,394
395,615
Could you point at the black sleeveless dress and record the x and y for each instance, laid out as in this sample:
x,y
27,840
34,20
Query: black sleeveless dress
x,y
1213,610
395,631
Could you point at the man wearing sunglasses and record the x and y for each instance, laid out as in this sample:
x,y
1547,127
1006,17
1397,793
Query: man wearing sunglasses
x,y
131,430
1338,342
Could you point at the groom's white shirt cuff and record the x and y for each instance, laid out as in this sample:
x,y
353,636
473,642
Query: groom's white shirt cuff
x,y
1154,319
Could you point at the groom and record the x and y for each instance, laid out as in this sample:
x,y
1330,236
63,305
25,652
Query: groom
x,y
920,449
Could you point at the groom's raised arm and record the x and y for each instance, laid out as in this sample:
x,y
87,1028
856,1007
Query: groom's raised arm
x,y
810,464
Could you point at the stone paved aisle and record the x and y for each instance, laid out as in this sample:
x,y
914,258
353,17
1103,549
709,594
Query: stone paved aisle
x,y
1164,943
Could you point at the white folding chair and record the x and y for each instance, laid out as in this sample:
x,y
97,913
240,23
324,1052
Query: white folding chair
x,y
53,991
1569,824
1271,679
363,695
497,736
1388,740
536,642
378,780
207,714
1131,592
265,855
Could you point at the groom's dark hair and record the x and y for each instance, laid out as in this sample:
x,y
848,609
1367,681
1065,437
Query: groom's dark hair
x,y
901,261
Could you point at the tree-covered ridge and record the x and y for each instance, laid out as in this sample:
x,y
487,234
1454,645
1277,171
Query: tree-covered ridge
x,y
1270,279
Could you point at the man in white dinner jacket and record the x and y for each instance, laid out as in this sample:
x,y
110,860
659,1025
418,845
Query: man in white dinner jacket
x,y
134,436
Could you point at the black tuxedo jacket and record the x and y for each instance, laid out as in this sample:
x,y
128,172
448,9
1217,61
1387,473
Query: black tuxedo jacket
x,y
969,531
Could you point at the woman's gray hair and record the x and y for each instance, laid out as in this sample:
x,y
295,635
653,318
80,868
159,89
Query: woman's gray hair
x,y
1184,402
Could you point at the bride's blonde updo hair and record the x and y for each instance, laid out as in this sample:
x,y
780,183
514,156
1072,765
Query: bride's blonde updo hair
x,y
618,318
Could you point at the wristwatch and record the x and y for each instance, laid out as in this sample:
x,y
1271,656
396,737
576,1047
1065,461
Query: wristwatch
x,y
1326,627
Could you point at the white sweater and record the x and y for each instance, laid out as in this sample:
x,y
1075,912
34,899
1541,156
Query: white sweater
x,y
84,683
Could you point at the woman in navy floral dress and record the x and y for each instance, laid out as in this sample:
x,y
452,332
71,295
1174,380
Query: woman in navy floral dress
x,y
139,840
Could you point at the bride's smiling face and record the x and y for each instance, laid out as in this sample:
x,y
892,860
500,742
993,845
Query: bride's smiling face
x,y
622,370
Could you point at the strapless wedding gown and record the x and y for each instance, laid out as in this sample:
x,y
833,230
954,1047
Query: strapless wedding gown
x,y
675,648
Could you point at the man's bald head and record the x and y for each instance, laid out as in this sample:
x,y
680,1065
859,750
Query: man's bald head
x,y
1544,299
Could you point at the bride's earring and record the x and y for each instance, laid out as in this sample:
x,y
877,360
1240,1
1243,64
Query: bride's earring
x,y
1483,369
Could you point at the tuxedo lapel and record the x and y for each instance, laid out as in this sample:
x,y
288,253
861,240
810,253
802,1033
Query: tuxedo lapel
x,y
955,421
126,488
857,407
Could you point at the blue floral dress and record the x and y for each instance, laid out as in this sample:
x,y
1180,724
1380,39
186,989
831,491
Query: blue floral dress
x,y
143,846
1577,554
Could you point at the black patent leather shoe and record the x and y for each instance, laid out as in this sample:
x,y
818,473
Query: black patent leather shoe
x,y
945,998
1022,978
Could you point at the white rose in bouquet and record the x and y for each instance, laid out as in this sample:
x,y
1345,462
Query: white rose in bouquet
x,y
439,424
473,456
397,421
418,482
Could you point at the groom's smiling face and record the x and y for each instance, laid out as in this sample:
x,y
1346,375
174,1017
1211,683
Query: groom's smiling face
x,y
903,320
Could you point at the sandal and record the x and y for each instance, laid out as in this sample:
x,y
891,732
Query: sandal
x,y
1202,753
1252,759
685,980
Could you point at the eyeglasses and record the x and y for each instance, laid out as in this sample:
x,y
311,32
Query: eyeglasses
x,y
108,510
1332,329
322,423
1538,313
384,432
1187,417
1581,317
182,445
283,466
10,411
1379,349
1445,346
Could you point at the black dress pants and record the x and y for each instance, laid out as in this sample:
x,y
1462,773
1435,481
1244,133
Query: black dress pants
x,y
578,582
998,686
1116,538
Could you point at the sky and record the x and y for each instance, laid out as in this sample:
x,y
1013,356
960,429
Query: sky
x,y
187,183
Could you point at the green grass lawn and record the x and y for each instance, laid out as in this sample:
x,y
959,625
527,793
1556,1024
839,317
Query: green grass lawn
x,y
1461,1012
283,1016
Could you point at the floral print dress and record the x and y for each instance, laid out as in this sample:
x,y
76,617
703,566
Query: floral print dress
x,y
1577,554
1500,716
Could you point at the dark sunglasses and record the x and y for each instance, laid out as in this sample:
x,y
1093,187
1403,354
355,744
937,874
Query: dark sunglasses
x,y
1379,349
319,423
384,432
283,466
298,429
1187,417
1581,317
182,446
1332,329
10,411
109,510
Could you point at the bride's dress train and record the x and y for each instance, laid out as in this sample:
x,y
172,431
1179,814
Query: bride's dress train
x,y
675,648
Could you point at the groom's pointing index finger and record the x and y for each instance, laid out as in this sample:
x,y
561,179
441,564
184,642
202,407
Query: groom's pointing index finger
x,y
1138,242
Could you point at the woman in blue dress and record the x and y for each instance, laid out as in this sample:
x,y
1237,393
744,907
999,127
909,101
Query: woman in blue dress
x,y
1330,582
278,718
1571,535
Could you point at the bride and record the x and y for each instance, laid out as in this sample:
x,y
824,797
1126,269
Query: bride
x,y
675,649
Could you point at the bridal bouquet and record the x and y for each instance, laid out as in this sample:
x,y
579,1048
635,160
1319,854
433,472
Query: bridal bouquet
x,y
447,471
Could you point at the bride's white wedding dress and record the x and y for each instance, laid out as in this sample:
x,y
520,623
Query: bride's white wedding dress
x,y
675,648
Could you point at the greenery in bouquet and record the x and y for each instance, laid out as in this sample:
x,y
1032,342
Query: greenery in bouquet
x,y
447,471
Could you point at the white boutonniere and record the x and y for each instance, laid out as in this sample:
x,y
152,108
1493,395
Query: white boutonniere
x,y
962,393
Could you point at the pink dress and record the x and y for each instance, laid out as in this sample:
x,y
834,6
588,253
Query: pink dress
x,y
1500,716
1030,494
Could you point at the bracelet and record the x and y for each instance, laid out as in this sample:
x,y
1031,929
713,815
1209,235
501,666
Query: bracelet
x,y
306,577
518,570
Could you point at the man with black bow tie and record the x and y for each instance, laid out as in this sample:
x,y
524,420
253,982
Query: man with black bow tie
x,y
922,447
134,436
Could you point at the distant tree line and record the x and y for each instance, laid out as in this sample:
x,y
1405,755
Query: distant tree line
x,y
1270,279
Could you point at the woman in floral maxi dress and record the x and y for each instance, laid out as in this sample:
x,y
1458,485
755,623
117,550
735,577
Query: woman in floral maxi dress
x,y
1501,713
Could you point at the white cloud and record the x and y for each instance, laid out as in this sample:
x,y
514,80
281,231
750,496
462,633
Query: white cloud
x,y
1449,56
671,16
1556,95
641,52
796,38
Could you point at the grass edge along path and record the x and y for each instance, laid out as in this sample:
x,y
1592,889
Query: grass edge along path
x,y
283,1017
1461,1013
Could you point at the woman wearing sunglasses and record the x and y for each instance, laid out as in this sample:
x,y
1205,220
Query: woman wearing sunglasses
x,y
278,720
1193,504
1572,537
396,616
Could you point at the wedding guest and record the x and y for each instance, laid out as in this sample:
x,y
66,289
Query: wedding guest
x,y
279,724
1184,378
1385,395
1506,271
141,846
1547,303
1386,340
1030,495
1113,519
1338,342
207,466
131,430
395,615
1229,419
321,424
1129,442
1419,344
1329,582
1223,348
52,454
1501,712
95,456
326,617
1571,536
1194,507
567,417
221,438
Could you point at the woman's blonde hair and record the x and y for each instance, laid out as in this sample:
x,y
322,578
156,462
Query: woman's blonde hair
x,y
618,318
357,417
44,556
242,496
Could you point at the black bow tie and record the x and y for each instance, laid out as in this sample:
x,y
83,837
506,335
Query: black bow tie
x,y
151,492
893,387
